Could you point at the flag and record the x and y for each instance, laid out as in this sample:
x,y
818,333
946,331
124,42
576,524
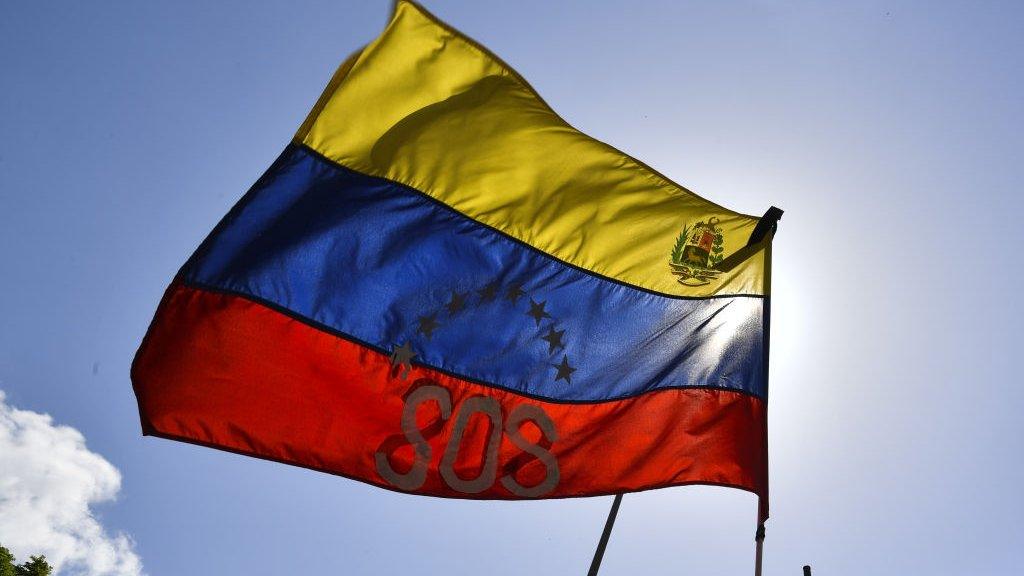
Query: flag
x,y
442,288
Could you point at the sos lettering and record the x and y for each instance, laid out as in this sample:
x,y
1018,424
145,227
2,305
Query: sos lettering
x,y
426,391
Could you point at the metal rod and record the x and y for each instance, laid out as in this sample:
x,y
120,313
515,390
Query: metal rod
x,y
599,553
807,571
759,548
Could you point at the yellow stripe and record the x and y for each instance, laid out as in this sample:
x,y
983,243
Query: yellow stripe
x,y
425,106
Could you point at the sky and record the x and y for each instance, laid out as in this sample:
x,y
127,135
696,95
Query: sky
x,y
891,133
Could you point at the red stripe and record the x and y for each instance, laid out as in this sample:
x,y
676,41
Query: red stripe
x,y
226,372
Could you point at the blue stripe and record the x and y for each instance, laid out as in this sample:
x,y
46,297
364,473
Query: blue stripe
x,y
380,262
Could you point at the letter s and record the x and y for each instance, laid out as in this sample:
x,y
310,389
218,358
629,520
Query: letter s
x,y
521,414
416,475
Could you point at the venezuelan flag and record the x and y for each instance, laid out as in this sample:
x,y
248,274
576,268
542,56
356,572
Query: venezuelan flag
x,y
442,288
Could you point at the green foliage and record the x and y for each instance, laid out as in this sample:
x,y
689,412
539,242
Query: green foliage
x,y
677,250
716,249
6,562
36,566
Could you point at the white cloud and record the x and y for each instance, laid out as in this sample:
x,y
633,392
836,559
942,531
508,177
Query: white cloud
x,y
48,481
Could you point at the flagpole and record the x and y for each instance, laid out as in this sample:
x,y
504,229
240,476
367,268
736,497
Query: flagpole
x,y
759,548
595,565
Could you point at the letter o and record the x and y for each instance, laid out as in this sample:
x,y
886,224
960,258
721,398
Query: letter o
x,y
489,470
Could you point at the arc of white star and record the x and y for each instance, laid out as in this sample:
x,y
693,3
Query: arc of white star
x,y
537,311
554,339
564,370
514,293
488,292
402,356
457,303
428,324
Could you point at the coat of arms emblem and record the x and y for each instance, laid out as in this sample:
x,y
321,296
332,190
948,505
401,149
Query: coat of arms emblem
x,y
697,251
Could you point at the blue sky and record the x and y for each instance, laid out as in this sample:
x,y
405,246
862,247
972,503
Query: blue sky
x,y
892,133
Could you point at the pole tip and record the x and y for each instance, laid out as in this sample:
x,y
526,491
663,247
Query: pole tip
x,y
807,571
